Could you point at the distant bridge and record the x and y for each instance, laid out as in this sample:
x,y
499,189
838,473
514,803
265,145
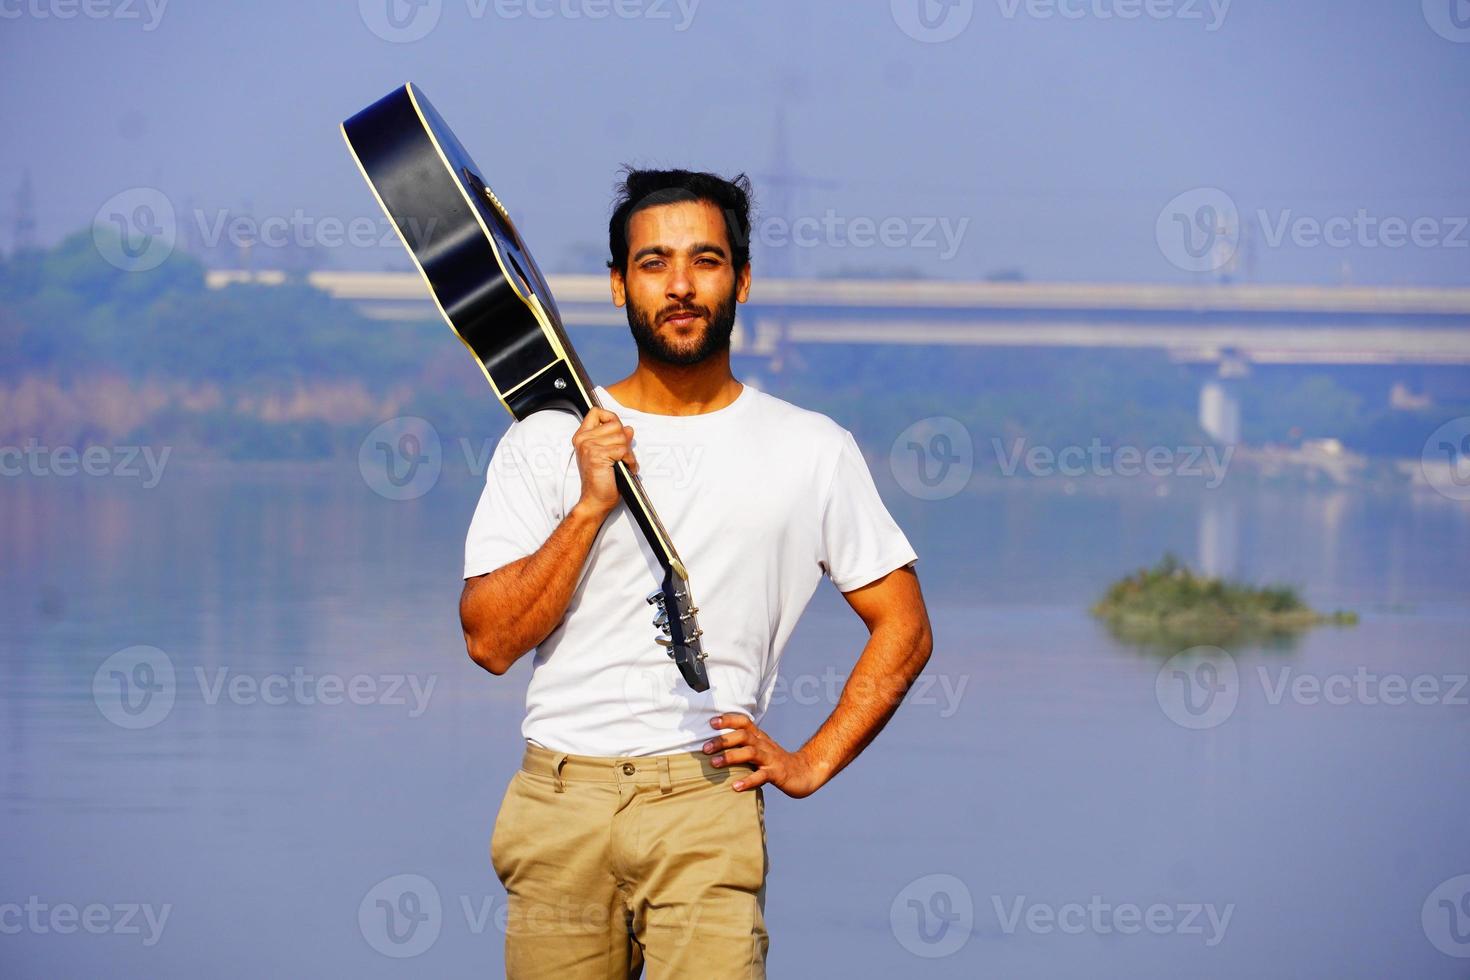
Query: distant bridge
x,y
1253,324
1227,328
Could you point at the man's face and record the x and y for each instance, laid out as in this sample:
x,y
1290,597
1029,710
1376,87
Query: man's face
x,y
681,287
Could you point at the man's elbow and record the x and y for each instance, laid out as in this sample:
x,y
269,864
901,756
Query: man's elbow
x,y
923,643
476,635
486,656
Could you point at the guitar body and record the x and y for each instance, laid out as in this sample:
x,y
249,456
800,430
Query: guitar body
x,y
492,294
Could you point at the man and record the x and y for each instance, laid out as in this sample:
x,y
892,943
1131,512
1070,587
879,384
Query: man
x,y
634,831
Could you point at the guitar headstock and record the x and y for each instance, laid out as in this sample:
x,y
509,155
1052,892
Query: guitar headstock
x,y
679,630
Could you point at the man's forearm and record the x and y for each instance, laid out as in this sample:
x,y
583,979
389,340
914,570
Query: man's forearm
x,y
894,656
512,609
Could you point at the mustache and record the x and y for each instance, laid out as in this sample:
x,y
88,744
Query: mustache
x,y
676,310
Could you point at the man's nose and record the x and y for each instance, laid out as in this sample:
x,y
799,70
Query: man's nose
x,y
680,285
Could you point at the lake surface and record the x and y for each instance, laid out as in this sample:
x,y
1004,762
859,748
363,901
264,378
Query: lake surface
x,y
311,792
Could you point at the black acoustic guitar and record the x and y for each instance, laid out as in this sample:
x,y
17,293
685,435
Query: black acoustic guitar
x,y
492,295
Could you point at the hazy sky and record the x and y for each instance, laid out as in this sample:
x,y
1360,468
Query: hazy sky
x,y
1048,136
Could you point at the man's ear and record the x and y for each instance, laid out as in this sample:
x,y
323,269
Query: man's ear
x,y
619,288
742,284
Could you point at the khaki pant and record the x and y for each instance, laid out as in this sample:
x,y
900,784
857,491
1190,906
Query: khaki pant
x,y
613,862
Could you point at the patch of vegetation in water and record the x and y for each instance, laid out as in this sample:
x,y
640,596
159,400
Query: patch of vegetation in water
x,y
1168,607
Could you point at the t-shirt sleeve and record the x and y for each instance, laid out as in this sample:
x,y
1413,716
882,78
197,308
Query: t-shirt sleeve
x,y
519,506
860,541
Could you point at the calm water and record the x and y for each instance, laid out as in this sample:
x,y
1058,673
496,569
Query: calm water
x,y
1050,805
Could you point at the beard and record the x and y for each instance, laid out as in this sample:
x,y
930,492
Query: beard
x,y
719,324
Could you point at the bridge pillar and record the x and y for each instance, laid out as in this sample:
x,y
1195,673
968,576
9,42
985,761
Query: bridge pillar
x,y
1219,410
1219,400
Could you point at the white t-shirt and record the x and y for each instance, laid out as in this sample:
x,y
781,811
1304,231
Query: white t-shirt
x,y
760,498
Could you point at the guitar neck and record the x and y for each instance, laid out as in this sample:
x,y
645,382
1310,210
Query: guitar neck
x,y
630,487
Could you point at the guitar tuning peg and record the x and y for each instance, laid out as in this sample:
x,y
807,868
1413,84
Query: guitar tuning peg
x,y
662,619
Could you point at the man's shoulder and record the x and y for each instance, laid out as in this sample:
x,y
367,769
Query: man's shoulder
x,y
548,427
805,423
540,443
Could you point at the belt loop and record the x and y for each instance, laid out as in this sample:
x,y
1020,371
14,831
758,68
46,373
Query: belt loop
x,y
665,785
556,764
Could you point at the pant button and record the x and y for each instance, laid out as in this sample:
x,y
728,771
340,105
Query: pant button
x,y
628,769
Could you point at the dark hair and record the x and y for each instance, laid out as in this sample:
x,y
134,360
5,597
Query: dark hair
x,y
641,189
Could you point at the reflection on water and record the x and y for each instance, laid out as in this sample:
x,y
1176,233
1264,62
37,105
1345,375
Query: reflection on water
x,y
1219,535
243,696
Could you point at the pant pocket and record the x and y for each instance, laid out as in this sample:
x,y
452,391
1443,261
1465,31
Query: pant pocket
x,y
747,841
760,818
502,837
